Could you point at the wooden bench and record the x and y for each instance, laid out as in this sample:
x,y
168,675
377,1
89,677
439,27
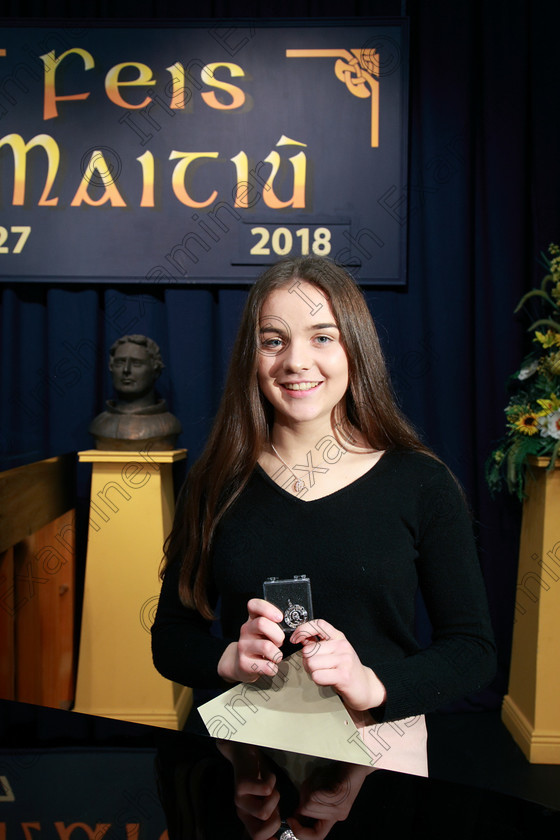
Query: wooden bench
x,y
37,582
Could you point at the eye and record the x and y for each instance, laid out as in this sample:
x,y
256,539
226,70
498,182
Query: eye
x,y
323,339
272,343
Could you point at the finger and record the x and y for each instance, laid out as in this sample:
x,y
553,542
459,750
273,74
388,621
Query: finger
x,y
304,831
338,649
325,667
259,830
251,768
256,648
257,668
226,749
255,787
320,659
326,677
259,805
261,626
258,606
316,629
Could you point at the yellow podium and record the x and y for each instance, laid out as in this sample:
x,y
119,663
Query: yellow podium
x,y
531,708
131,512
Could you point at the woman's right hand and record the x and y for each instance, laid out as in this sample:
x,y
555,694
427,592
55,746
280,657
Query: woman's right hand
x,y
258,651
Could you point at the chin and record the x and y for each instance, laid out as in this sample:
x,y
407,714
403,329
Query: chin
x,y
303,416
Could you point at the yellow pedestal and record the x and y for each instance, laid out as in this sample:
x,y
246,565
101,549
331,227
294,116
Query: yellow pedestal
x,y
131,513
531,709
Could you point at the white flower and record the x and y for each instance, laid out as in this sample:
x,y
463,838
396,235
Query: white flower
x,y
528,370
549,426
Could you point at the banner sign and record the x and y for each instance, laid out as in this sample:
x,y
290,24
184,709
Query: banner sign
x,y
202,154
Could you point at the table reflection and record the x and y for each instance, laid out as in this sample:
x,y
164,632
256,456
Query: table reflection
x,y
228,789
65,776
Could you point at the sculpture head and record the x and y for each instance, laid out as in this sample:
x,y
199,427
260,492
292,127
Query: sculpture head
x,y
135,363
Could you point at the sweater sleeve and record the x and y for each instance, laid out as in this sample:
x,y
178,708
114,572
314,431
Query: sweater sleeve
x,y
461,658
183,647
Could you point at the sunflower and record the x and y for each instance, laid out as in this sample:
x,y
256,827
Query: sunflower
x,y
527,423
533,409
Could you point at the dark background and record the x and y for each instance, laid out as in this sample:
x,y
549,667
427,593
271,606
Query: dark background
x,y
168,242
484,202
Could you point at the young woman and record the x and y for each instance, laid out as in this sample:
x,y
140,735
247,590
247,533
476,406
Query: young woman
x,y
311,469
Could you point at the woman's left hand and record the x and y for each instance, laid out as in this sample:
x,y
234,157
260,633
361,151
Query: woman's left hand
x,y
330,659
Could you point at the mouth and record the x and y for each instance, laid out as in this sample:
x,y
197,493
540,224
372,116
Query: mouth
x,y
299,386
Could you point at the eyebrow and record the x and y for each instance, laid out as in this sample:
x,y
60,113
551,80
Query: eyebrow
x,y
272,329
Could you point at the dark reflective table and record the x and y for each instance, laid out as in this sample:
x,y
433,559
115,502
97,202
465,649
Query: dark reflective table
x,y
70,776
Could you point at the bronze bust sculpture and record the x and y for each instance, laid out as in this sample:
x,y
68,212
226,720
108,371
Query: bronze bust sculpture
x,y
137,418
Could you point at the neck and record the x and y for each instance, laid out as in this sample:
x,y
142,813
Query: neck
x,y
292,440
305,436
134,405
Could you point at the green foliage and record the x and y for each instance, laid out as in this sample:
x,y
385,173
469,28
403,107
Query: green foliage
x,y
533,409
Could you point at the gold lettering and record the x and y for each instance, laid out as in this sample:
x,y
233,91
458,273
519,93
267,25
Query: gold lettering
x,y
51,64
207,75
98,168
26,826
179,174
19,151
178,93
241,164
97,833
299,163
112,83
147,163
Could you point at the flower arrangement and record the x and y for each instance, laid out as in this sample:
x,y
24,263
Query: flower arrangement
x,y
533,410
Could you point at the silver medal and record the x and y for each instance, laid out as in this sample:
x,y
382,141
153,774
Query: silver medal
x,y
294,615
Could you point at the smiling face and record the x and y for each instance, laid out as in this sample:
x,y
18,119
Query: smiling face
x,y
302,365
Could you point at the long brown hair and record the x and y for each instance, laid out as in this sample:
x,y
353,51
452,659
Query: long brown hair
x,y
244,417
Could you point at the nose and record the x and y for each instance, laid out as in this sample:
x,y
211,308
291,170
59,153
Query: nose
x,y
127,366
296,357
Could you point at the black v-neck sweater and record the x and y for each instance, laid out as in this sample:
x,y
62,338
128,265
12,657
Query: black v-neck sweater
x,y
366,549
